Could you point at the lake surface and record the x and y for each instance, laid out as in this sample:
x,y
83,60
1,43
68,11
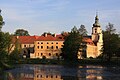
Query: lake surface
x,y
59,72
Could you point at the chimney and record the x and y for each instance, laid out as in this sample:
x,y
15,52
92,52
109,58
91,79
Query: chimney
x,y
17,37
54,35
45,34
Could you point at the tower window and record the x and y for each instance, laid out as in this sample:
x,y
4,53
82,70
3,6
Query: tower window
x,y
95,30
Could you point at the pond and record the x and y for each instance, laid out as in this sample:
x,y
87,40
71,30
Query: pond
x,y
60,72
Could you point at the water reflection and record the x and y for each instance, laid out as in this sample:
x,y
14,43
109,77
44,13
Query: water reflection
x,y
55,72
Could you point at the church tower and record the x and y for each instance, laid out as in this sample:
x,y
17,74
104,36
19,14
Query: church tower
x,y
1,21
97,35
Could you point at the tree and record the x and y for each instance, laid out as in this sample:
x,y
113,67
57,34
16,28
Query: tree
x,y
82,30
21,32
5,41
15,54
111,42
71,45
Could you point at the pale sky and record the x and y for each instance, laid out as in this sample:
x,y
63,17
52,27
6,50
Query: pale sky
x,y
55,16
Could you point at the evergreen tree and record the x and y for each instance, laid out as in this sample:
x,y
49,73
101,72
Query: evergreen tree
x,y
71,45
5,41
82,30
111,42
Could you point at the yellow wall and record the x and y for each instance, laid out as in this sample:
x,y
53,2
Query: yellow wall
x,y
44,48
91,51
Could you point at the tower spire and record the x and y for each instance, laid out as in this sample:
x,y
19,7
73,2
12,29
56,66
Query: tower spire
x,y
96,24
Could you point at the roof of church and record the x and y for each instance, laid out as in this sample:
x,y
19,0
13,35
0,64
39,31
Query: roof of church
x,y
88,41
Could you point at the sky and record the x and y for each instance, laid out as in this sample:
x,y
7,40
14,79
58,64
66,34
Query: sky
x,y
55,16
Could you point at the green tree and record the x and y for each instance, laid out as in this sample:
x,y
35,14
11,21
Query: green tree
x,y
111,42
21,32
71,45
15,54
5,41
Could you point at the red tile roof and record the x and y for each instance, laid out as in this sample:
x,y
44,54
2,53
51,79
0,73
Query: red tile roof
x,y
31,39
50,38
88,41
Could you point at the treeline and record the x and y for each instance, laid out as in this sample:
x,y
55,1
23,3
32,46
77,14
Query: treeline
x,y
7,58
111,43
73,44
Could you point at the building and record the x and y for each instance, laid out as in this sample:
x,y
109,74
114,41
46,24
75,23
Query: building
x,y
49,46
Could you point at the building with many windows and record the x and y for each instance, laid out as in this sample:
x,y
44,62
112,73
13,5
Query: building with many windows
x,y
49,46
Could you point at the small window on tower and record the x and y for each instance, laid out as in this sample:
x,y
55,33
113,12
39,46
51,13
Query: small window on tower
x,y
95,30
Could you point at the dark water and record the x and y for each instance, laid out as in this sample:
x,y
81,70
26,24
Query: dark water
x,y
57,72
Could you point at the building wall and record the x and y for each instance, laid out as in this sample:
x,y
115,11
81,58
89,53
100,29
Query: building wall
x,y
91,51
48,49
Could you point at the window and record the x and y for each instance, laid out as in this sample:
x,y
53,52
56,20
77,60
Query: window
x,y
41,47
38,42
52,47
56,47
47,43
41,42
95,30
56,54
51,76
47,47
56,76
38,47
41,54
46,76
24,45
52,43
38,54
56,42
49,54
37,76
41,76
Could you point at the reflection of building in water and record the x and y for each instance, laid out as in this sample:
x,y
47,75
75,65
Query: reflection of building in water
x,y
26,76
46,74
90,73
93,72
41,74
